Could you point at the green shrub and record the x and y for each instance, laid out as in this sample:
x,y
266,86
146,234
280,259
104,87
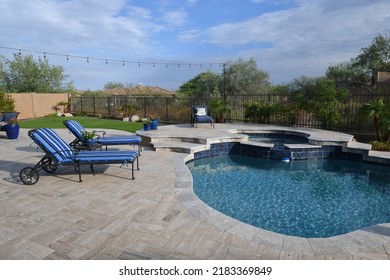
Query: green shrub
x,y
7,104
380,146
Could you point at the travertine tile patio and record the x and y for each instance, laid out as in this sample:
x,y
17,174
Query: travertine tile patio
x,y
155,216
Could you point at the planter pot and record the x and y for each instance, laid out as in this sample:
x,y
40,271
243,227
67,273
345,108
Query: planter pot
x,y
12,131
89,141
154,124
147,127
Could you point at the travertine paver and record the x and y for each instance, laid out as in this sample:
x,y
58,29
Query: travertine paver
x,y
155,216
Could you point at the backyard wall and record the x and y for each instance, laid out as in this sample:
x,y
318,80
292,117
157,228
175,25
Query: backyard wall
x,y
34,105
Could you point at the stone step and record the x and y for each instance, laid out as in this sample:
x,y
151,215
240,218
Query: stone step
x,y
195,140
179,147
357,147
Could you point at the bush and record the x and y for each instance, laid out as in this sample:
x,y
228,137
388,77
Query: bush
x,y
256,112
7,104
380,146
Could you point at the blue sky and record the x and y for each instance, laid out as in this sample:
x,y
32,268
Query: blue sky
x,y
287,38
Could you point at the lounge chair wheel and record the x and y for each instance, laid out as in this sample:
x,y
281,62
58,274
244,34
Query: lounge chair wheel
x,y
48,166
29,176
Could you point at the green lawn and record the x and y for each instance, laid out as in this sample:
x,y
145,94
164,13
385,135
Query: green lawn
x,y
87,122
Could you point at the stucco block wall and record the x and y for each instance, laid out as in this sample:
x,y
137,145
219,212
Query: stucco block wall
x,y
34,105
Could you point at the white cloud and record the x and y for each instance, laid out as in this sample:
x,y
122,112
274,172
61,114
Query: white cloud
x,y
192,2
78,25
188,35
303,39
175,18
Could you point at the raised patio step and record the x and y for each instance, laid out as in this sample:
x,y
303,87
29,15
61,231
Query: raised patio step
x,y
179,147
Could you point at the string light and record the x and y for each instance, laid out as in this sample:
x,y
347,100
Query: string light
x,y
123,62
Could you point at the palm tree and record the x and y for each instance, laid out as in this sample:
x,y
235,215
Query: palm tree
x,y
376,111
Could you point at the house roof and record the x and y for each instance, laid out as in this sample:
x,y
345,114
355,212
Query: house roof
x,y
141,90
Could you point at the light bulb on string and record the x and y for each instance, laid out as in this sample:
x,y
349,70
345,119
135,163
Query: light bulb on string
x,y
154,64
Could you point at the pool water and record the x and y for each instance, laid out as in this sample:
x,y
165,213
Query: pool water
x,y
312,199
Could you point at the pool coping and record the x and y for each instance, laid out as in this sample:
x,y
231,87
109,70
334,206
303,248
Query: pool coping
x,y
339,247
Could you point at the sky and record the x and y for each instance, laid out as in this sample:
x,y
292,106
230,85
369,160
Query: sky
x,y
165,43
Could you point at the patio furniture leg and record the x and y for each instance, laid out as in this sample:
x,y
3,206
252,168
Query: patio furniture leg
x,y
79,168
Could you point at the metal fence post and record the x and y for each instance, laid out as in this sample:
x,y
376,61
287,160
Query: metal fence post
x,y
94,106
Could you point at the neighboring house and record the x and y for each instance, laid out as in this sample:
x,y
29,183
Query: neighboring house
x,y
383,77
141,90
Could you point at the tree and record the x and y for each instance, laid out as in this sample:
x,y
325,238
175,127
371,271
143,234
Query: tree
x,y
24,74
375,57
239,77
243,77
205,85
321,97
376,110
347,74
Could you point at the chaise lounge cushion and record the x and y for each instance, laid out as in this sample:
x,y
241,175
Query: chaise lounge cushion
x,y
77,129
65,155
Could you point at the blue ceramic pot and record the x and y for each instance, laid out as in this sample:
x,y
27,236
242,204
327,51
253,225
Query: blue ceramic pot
x,y
12,131
154,124
147,127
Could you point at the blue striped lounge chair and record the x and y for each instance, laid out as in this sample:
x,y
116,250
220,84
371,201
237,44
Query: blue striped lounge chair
x,y
77,130
58,152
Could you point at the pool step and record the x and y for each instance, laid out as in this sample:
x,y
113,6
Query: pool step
x,y
357,147
179,146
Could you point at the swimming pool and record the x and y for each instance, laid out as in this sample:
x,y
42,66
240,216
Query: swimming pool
x,y
311,198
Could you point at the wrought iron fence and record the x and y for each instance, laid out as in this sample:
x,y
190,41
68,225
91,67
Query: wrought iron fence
x,y
285,110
